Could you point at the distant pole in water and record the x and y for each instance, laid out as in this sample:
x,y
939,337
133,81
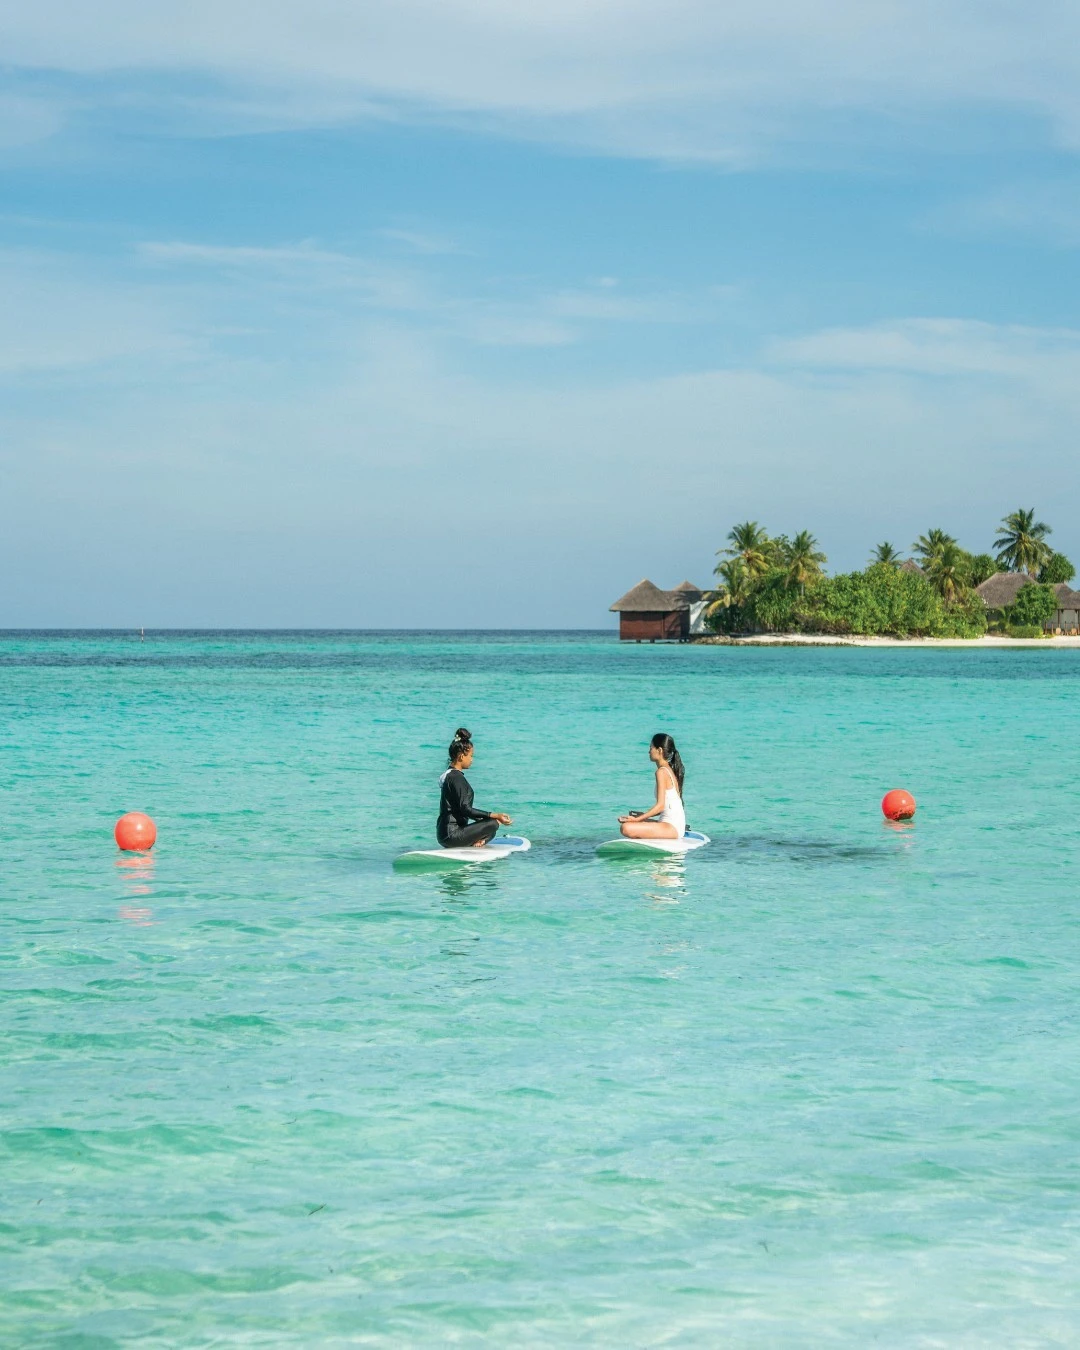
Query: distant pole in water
x,y
142,634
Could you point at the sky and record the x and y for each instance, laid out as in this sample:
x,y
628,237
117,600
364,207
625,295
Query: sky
x,y
460,313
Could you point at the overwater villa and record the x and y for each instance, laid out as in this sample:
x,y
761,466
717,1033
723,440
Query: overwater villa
x,y
648,614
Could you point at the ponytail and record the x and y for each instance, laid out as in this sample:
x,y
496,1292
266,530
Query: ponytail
x,y
666,746
460,744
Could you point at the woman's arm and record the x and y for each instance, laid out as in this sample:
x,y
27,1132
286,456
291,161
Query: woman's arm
x,y
460,800
500,816
464,809
656,809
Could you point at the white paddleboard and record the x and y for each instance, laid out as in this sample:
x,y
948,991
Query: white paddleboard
x,y
624,847
502,846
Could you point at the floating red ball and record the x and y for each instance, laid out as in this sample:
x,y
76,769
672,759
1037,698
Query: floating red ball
x,y
135,833
898,805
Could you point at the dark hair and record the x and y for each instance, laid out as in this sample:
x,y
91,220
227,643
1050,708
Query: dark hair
x,y
666,746
460,744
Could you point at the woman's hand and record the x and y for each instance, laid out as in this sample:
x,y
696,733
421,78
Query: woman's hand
x,y
501,817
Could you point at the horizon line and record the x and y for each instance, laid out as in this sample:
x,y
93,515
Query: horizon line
x,y
288,629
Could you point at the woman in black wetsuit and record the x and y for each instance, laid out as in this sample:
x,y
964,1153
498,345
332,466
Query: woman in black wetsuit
x,y
460,825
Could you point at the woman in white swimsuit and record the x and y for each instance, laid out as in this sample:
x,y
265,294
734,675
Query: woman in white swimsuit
x,y
667,819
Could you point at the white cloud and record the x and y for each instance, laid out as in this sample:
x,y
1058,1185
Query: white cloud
x,y
281,500
421,241
531,320
688,79
1047,210
53,316
606,304
941,347
226,255
507,326
302,267
26,119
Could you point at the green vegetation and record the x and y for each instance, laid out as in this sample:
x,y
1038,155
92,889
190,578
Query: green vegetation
x,y
885,601
886,554
1056,569
1033,607
777,584
940,555
1021,543
981,567
750,547
802,559
927,547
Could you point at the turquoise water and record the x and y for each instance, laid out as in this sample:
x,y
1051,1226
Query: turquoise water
x,y
816,1084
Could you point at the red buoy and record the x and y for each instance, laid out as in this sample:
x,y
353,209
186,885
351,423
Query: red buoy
x,y
898,805
135,833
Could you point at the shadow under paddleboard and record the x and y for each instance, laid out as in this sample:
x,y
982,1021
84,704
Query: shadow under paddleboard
x,y
434,859
628,848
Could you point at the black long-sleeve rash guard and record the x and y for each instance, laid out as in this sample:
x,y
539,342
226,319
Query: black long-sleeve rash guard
x,y
455,803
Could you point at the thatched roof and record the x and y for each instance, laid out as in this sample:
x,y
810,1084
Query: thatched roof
x,y
645,598
910,565
1067,598
693,593
1002,589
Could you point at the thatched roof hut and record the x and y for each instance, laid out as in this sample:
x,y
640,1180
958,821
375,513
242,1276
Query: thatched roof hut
x,y
1001,590
910,565
648,614
645,598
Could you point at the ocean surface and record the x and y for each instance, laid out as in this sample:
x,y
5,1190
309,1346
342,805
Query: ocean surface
x,y
817,1084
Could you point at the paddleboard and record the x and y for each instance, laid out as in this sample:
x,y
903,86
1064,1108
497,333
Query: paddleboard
x,y
622,846
502,846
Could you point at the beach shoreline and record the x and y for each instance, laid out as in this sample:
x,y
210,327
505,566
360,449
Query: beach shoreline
x,y
988,641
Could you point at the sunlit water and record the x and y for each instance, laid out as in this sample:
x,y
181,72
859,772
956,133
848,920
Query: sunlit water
x,y
817,1084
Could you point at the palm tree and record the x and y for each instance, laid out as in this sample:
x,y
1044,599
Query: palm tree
x,y
928,545
1021,543
734,584
750,543
803,559
888,555
947,570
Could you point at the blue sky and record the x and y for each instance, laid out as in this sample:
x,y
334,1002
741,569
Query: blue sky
x,y
472,314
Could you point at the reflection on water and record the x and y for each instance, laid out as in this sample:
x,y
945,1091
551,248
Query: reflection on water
x,y
458,883
137,877
665,871
669,877
904,828
139,915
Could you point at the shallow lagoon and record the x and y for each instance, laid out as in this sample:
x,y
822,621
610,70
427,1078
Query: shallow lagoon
x,y
814,1084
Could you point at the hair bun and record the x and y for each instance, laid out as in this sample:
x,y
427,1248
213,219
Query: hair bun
x,y
463,734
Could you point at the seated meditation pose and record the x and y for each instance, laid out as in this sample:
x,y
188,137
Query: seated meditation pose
x,y
666,819
460,824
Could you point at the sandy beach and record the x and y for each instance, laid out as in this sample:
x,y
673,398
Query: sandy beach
x,y
849,640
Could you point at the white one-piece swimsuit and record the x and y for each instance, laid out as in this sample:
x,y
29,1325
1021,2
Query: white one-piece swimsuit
x,y
674,813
